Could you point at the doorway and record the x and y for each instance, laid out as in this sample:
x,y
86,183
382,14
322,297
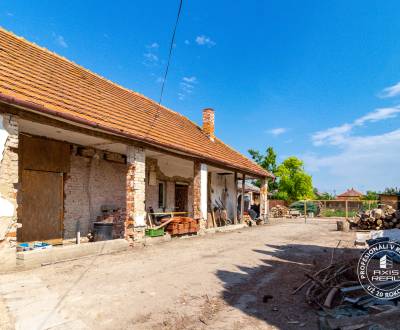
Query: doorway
x,y
181,197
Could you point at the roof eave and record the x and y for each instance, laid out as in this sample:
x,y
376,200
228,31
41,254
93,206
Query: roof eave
x,y
41,108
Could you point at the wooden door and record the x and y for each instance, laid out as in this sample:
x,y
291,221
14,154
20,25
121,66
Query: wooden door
x,y
42,206
181,198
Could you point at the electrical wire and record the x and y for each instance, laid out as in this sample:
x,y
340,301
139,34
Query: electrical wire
x,y
171,46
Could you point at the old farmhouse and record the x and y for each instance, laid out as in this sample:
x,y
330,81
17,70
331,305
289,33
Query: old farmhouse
x,y
74,144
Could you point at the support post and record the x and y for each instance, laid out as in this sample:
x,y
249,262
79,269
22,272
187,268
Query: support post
x,y
347,209
242,199
235,214
135,222
200,193
264,207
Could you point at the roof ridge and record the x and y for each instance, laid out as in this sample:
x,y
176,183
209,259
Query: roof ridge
x,y
188,137
97,75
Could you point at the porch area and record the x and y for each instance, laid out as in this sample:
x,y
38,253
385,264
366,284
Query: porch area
x,y
64,181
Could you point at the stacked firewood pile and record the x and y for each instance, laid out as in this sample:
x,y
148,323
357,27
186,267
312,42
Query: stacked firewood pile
x,y
279,211
385,217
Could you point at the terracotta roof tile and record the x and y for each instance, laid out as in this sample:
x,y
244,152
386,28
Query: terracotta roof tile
x,y
35,75
351,193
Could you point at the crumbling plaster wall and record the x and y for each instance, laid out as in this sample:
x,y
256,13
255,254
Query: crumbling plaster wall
x,y
169,171
223,188
90,184
8,174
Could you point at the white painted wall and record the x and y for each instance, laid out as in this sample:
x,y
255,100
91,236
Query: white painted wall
x,y
172,166
203,190
220,183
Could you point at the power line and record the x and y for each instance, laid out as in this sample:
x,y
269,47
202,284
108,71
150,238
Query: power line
x,y
171,46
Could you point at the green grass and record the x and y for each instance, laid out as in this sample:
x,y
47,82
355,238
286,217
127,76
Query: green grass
x,y
336,213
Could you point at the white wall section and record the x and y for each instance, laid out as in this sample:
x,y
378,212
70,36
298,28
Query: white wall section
x,y
203,190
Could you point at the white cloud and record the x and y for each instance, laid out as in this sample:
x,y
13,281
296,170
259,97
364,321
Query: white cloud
x,y
150,55
150,59
365,162
59,40
277,131
186,87
391,91
153,45
187,42
338,135
190,80
378,114
9,14
205,41
333,135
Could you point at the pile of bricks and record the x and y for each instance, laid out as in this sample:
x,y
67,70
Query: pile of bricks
x,y
182,226
117,218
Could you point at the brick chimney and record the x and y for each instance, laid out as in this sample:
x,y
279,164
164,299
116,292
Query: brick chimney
x,y
208,123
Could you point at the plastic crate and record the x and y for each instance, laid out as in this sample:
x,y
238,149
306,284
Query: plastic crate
x,y
154,232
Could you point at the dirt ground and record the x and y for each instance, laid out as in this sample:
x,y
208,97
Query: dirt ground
x,y
234,280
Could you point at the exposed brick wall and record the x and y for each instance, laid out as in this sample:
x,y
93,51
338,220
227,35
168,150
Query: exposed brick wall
x,y
90,184
209,123
135,191
197,190
264,199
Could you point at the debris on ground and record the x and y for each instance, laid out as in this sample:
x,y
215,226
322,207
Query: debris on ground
x,y
279,211
385,217
341,302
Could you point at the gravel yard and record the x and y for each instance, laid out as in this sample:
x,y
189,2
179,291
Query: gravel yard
x,y
233,280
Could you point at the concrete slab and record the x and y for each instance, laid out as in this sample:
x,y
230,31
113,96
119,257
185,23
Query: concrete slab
x,y
225,228
55,254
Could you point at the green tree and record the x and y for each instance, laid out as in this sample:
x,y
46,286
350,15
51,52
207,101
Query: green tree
x,y
268,162
370,196
322,196
293,182
391,191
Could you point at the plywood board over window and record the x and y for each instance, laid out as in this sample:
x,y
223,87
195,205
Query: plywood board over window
x,y
42,154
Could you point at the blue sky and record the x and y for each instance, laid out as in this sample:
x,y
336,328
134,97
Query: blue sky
x,y
309,78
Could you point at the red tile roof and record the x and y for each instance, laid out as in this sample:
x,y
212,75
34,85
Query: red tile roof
x,y
37,78
351,193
